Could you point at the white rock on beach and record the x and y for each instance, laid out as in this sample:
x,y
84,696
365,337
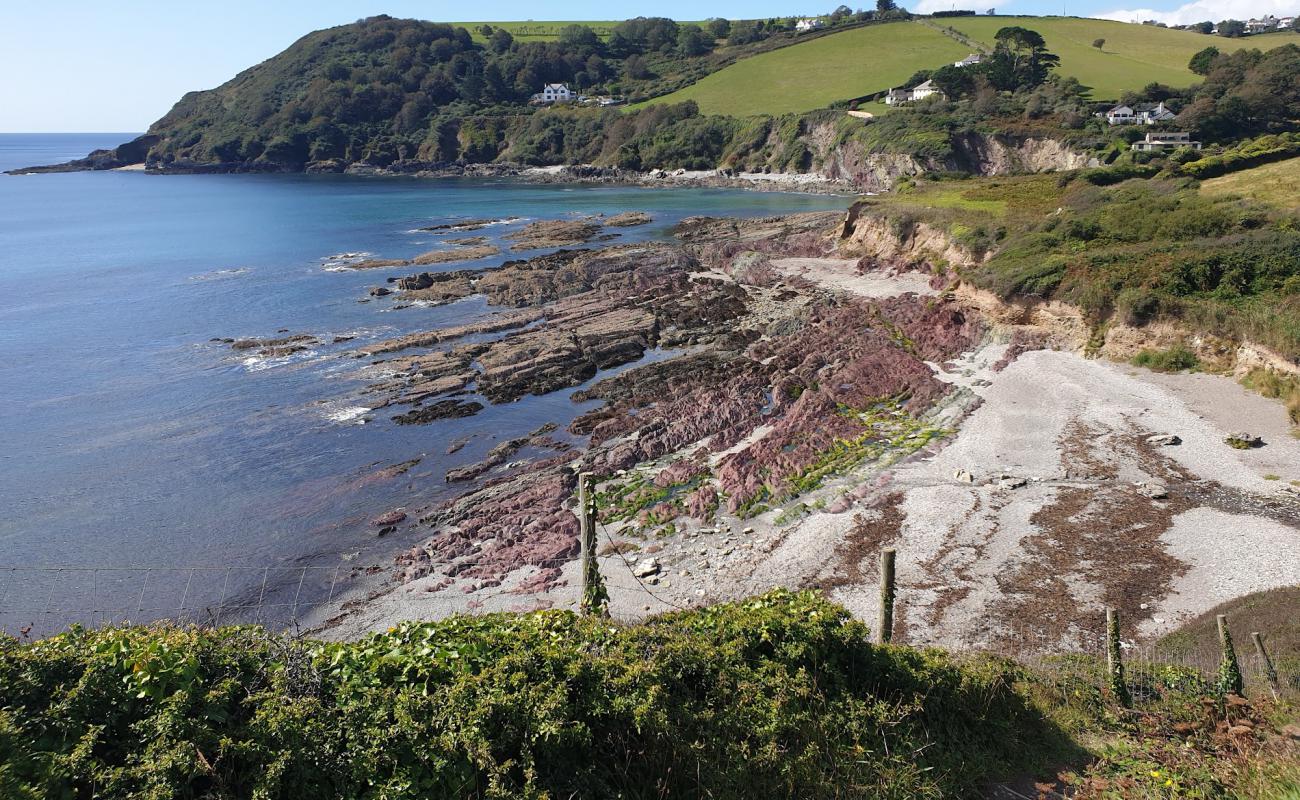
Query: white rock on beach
x,y
646,568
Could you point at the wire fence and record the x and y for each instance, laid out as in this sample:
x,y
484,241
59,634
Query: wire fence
x,y
41,601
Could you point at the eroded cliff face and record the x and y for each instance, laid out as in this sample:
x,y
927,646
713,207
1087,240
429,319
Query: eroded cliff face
x,y
1036,323
973,153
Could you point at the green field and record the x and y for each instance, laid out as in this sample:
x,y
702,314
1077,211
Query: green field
x,y
814,74
1134,55
1274,184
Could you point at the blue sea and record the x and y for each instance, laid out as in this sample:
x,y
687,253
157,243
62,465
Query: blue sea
x,y
129,438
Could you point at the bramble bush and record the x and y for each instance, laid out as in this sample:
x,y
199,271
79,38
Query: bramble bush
x,y
777,696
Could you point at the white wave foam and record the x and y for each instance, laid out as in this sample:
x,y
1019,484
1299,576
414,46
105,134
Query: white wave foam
x,y
340,262
350,414
259,363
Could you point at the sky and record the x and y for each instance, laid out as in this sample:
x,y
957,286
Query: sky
x,y
87,65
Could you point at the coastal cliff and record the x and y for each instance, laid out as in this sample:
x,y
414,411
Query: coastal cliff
x,y
386,96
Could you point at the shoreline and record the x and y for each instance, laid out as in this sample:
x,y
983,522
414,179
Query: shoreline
x,y
582,174
706,530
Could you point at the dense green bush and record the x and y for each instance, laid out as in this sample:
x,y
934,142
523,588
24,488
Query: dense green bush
x,y
1173,359
1147,249
1251,153
778,696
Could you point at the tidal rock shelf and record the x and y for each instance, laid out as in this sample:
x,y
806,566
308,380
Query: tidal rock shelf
x,y
778,386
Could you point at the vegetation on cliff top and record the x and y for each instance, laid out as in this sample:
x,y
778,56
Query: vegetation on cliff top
x,y
777,696
1138,250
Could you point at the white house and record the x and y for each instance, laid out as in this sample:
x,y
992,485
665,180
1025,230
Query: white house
x,y
1157,113
969,61
1144,114
1268,23
924,90
555,93
809,24
1159,142
1121,115
900,97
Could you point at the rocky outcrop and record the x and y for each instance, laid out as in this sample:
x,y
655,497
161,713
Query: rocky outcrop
x,y
124,155
277,346
552,233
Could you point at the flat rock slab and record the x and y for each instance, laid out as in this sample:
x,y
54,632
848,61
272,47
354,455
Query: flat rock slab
x,y
842,274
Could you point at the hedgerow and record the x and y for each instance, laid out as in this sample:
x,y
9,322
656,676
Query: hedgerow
x,y
778,696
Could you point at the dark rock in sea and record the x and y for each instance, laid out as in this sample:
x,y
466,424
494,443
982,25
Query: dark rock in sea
x,y
443,409
388,518
276,347
552,233
628,219
380,291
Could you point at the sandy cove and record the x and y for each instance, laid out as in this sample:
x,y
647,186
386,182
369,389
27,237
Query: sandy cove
x,y
1018,487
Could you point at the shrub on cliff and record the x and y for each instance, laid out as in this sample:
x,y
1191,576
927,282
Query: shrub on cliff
x,y
777,696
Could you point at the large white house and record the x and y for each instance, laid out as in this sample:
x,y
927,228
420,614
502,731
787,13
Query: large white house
x,y
1159,142
1143,114
809,24
555,93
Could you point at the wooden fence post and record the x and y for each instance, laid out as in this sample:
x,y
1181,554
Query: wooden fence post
x,y
1229,671
1270,674
1115,661
594,599
885,623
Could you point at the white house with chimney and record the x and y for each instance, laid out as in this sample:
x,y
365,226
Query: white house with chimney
x,y
1142,114
555,93
809,24
901,97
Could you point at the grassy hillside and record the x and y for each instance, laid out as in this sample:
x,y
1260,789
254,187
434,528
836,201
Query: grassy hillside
x,y
814,74
1274,184
1134,55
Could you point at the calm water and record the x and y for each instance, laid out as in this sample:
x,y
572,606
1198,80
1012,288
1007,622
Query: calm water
x,y
129,438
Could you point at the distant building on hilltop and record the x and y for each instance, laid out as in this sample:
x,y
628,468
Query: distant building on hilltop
x,y
809,24
555,93
1159,142
969,61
